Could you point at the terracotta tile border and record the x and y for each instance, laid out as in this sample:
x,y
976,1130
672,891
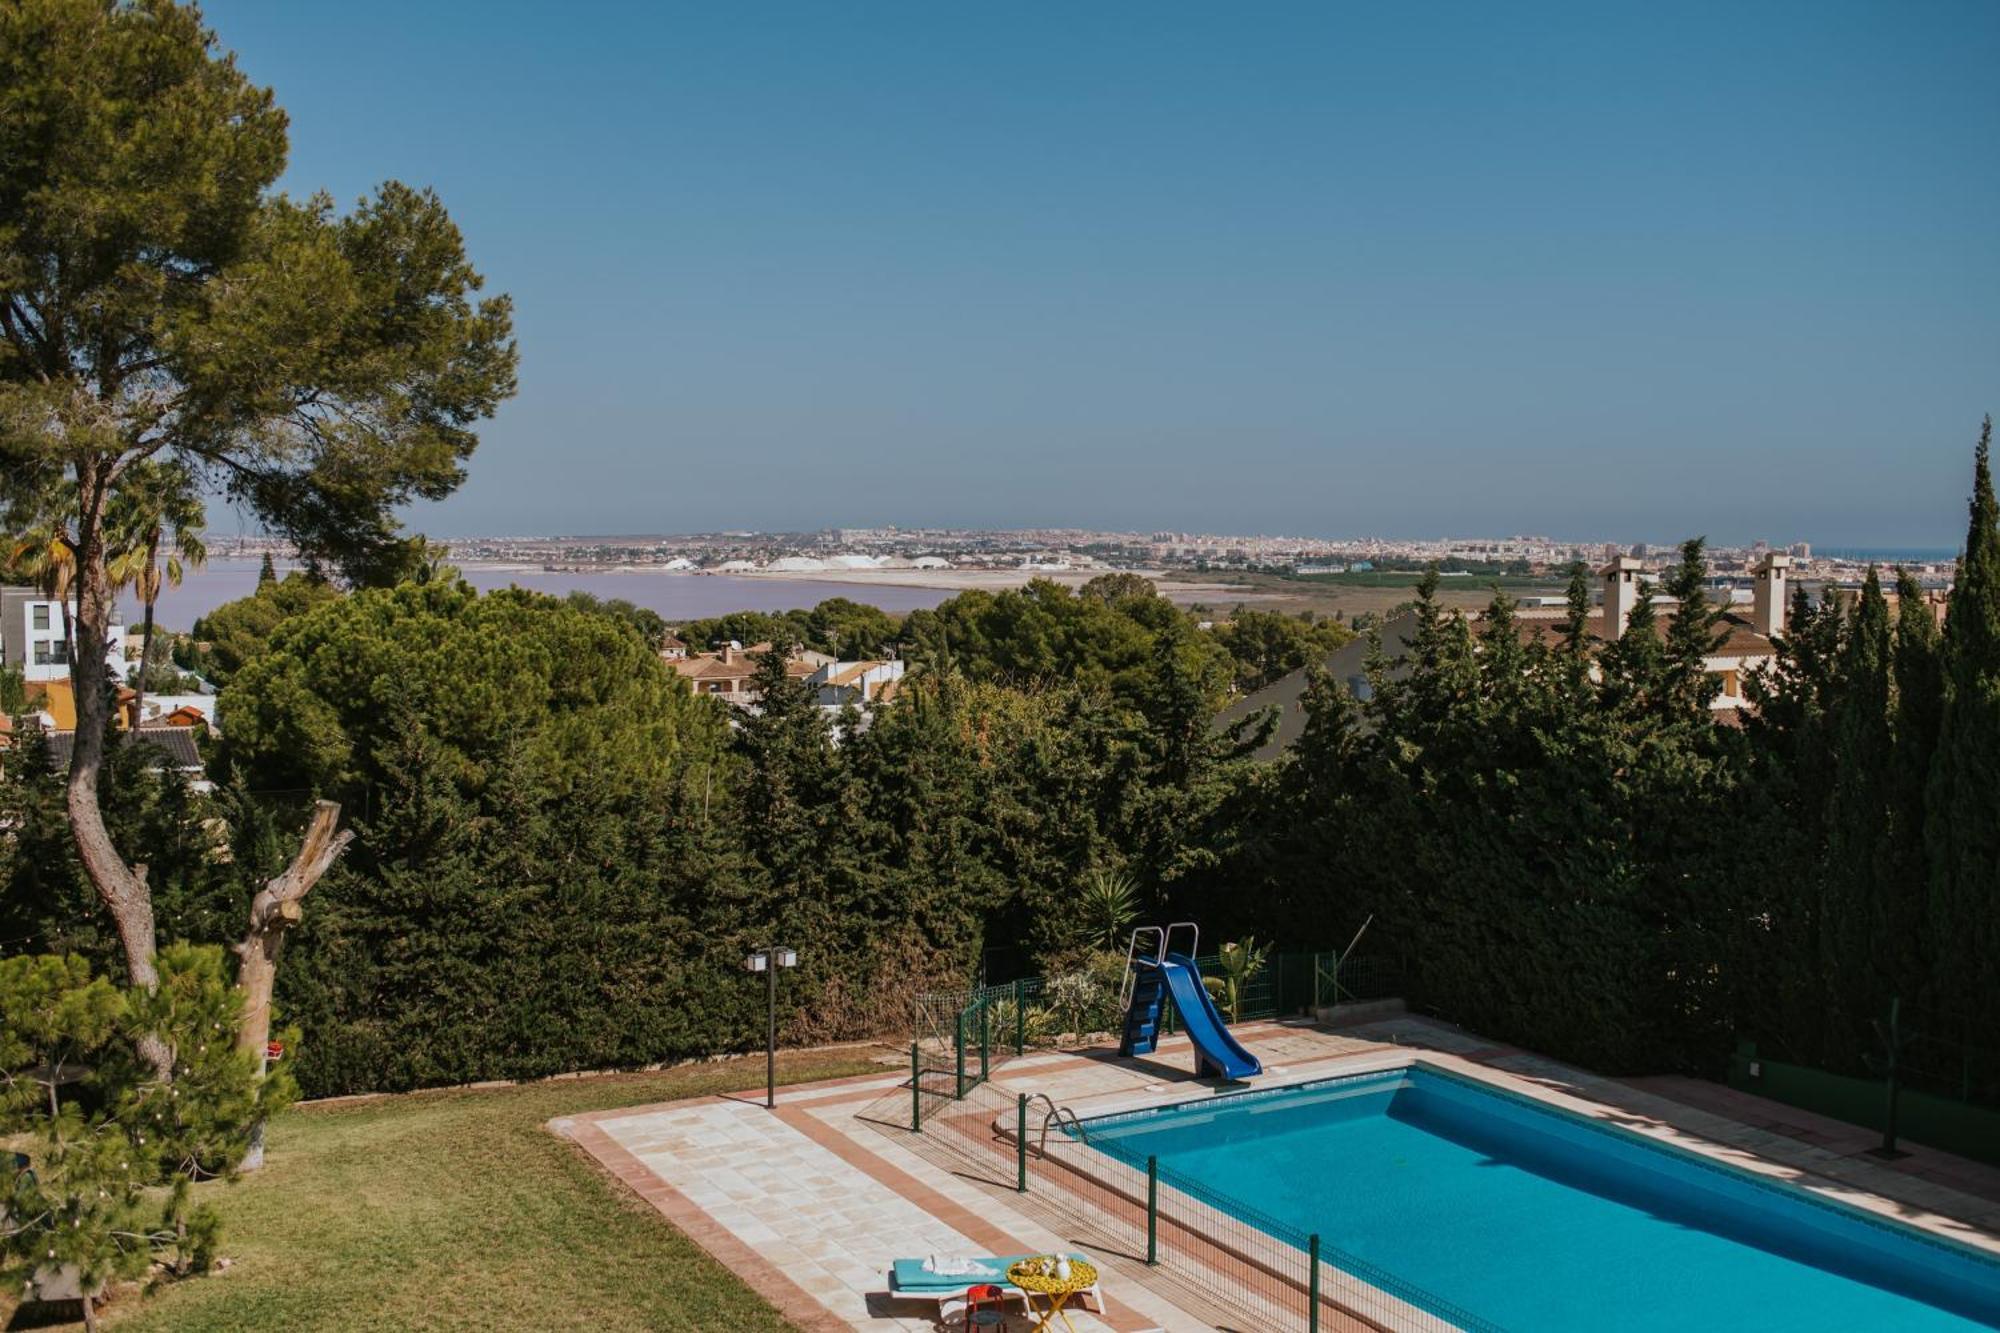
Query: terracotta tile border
x,y
799,1105
794,1302
1872,1193
1963,1174
763,1277
1086,1190
945,1209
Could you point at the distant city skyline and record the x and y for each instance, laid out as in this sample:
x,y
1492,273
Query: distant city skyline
x,y
1123,547
1706,268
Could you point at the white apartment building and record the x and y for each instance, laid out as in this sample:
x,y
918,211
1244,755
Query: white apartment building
x,y
32,638
856,684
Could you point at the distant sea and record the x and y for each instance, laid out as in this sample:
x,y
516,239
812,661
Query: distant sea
x,y
676,597
1890,555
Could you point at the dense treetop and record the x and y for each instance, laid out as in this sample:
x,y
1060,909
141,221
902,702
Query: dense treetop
x,y
230,636
582,695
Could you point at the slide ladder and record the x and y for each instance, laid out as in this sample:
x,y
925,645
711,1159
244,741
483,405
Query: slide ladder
x,y
1163,978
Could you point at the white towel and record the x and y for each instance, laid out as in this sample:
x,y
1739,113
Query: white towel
x,y
957,1266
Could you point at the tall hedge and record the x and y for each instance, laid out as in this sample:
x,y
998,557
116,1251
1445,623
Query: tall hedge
x,y
1567,849
563,856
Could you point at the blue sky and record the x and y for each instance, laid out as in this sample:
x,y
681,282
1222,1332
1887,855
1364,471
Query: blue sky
x,y
1595,270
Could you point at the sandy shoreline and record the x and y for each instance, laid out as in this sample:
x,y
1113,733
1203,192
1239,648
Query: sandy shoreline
x,y
935,580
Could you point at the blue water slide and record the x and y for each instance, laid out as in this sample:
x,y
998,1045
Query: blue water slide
x,y
1217,1054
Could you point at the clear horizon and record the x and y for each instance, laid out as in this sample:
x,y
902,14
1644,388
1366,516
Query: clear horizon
x,y
1464,269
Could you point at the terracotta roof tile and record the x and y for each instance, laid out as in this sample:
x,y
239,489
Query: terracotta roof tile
x,y
1739,639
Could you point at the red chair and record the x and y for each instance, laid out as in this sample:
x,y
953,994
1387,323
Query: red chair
x,y
984,1307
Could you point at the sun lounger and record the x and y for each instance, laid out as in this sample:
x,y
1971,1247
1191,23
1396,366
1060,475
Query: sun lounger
x,y
909,1280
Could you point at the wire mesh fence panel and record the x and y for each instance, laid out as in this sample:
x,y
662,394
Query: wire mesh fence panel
x,y
1239,999
1340,980
1292,982
1938,1057
1219,1256
1241,1268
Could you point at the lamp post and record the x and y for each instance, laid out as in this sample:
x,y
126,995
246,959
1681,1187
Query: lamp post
x,y
768,961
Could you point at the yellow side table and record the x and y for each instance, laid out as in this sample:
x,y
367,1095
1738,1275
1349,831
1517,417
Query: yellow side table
x,y
1056,1291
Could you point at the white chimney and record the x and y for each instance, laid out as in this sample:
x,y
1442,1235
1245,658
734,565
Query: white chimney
x,y
1621,594
1768,616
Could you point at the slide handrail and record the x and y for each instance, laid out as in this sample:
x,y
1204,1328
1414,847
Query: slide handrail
x,y
1131,953
1164,936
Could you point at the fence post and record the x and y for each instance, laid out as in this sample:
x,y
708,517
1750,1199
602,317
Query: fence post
x,y
1152,1210
1021,1143
985,1037
1020,1019
916,1089
958,1046
1312,1283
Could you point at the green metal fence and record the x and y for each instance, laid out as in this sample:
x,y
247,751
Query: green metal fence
x,y
1252,1270
964,1036
1219,1246
1350,980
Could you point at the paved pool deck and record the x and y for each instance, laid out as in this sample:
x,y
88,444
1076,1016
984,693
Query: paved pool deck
x,y
809,1203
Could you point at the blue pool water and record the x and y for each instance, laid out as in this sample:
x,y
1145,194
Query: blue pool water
x,y
1537,1220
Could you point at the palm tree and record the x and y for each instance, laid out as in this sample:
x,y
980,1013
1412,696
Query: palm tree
x,y
157,505
43,552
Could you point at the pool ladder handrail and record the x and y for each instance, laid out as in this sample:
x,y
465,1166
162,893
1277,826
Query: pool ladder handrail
x,y
1056,1115
1165,935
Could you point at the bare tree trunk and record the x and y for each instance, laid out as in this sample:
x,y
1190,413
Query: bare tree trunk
x,y
121,886
275,910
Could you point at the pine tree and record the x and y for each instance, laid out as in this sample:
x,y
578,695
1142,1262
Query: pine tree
x,y
267,572
1962,826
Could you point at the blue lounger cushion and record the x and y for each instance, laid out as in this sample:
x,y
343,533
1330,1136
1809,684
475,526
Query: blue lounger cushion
x,y
910,1274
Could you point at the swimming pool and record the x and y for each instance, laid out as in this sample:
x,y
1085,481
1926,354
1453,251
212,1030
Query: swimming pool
x,y
1536,1219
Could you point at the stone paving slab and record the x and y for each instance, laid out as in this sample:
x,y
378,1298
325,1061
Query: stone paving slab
x,y
810,1203
830,1228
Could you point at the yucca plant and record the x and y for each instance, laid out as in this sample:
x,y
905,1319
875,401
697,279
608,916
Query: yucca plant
x,y
1107,903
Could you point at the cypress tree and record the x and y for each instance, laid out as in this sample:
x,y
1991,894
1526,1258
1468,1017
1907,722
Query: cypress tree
x,y
1962,825
1635,667
1576,620
1691,636
1919,702
1860,913
1790,788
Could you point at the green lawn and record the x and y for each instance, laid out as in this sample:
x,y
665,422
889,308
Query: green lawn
x,y
459,1210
